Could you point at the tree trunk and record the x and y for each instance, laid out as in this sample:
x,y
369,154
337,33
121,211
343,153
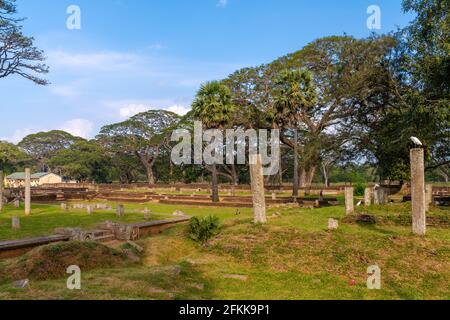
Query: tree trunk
x,y
302,178
443,174
280,173
310,176
235,180
215,184
326,174
296,177
150,175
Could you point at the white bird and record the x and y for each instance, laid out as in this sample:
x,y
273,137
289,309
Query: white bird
x,y
359,204
416,141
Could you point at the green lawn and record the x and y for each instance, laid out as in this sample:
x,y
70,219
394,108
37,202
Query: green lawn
x,y
292,257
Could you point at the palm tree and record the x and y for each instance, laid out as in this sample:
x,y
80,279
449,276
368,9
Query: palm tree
x,y
213,106
294,95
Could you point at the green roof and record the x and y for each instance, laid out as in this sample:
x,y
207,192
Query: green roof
x,y
21,175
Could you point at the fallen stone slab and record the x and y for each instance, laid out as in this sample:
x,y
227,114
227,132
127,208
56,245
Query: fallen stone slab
x,y
135,246
236,277
21,284
333,224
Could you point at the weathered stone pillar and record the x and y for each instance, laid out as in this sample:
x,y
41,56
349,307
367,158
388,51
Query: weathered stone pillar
x,y
120,210
349,201
15,222
27,191
428,197
418,192
368,197
1,191
90,209
379,196
257,181
274,196
333,224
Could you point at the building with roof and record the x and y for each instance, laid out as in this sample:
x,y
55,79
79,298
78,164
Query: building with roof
x,y
17,180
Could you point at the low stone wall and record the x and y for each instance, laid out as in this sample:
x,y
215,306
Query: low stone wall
x,y
15,248
108,231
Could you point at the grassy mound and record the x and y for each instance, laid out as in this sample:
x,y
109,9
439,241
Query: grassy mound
x,y
52,261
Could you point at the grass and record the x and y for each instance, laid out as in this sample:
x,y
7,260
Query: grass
x,y
45,218
292,257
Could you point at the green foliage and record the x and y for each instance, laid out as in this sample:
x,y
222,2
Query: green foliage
x,y
142,137
43,146
18,55
203,229
294,94
83,161
213,105
11,157
359,189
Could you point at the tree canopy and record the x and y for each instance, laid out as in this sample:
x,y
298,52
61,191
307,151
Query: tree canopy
x,y
18,55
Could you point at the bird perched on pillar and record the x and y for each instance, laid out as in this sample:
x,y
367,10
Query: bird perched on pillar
x,y
416,142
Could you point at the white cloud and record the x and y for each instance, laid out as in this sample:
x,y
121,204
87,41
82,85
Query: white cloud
x,y
127,108
222,3
78,127
132,110
156,46
92,62
65,91
179,109
18,135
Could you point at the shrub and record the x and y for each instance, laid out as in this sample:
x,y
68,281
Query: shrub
x,y
204,229
359,189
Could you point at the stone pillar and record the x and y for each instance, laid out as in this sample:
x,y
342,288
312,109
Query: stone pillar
x,y
15,223
90,209
257,181
428,197
274,196
333,224
349,201
27,191
379,196
120,210
418,192
368,197
16,203
1,191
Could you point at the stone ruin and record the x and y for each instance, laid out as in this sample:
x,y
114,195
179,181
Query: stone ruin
x,y
106,231
122,232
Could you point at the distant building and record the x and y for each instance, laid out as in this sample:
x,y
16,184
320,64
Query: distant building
x,y
17,180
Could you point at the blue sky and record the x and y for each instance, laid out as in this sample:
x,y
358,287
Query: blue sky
x,y
135,55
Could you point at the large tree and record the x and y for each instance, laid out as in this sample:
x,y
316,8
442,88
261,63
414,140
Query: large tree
x,y
84,161
214,108
294,95
18,55
11,157
427,40
346,74
416,99
43,146
142,136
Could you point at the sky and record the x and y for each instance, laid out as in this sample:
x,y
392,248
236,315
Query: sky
x,y
130,56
